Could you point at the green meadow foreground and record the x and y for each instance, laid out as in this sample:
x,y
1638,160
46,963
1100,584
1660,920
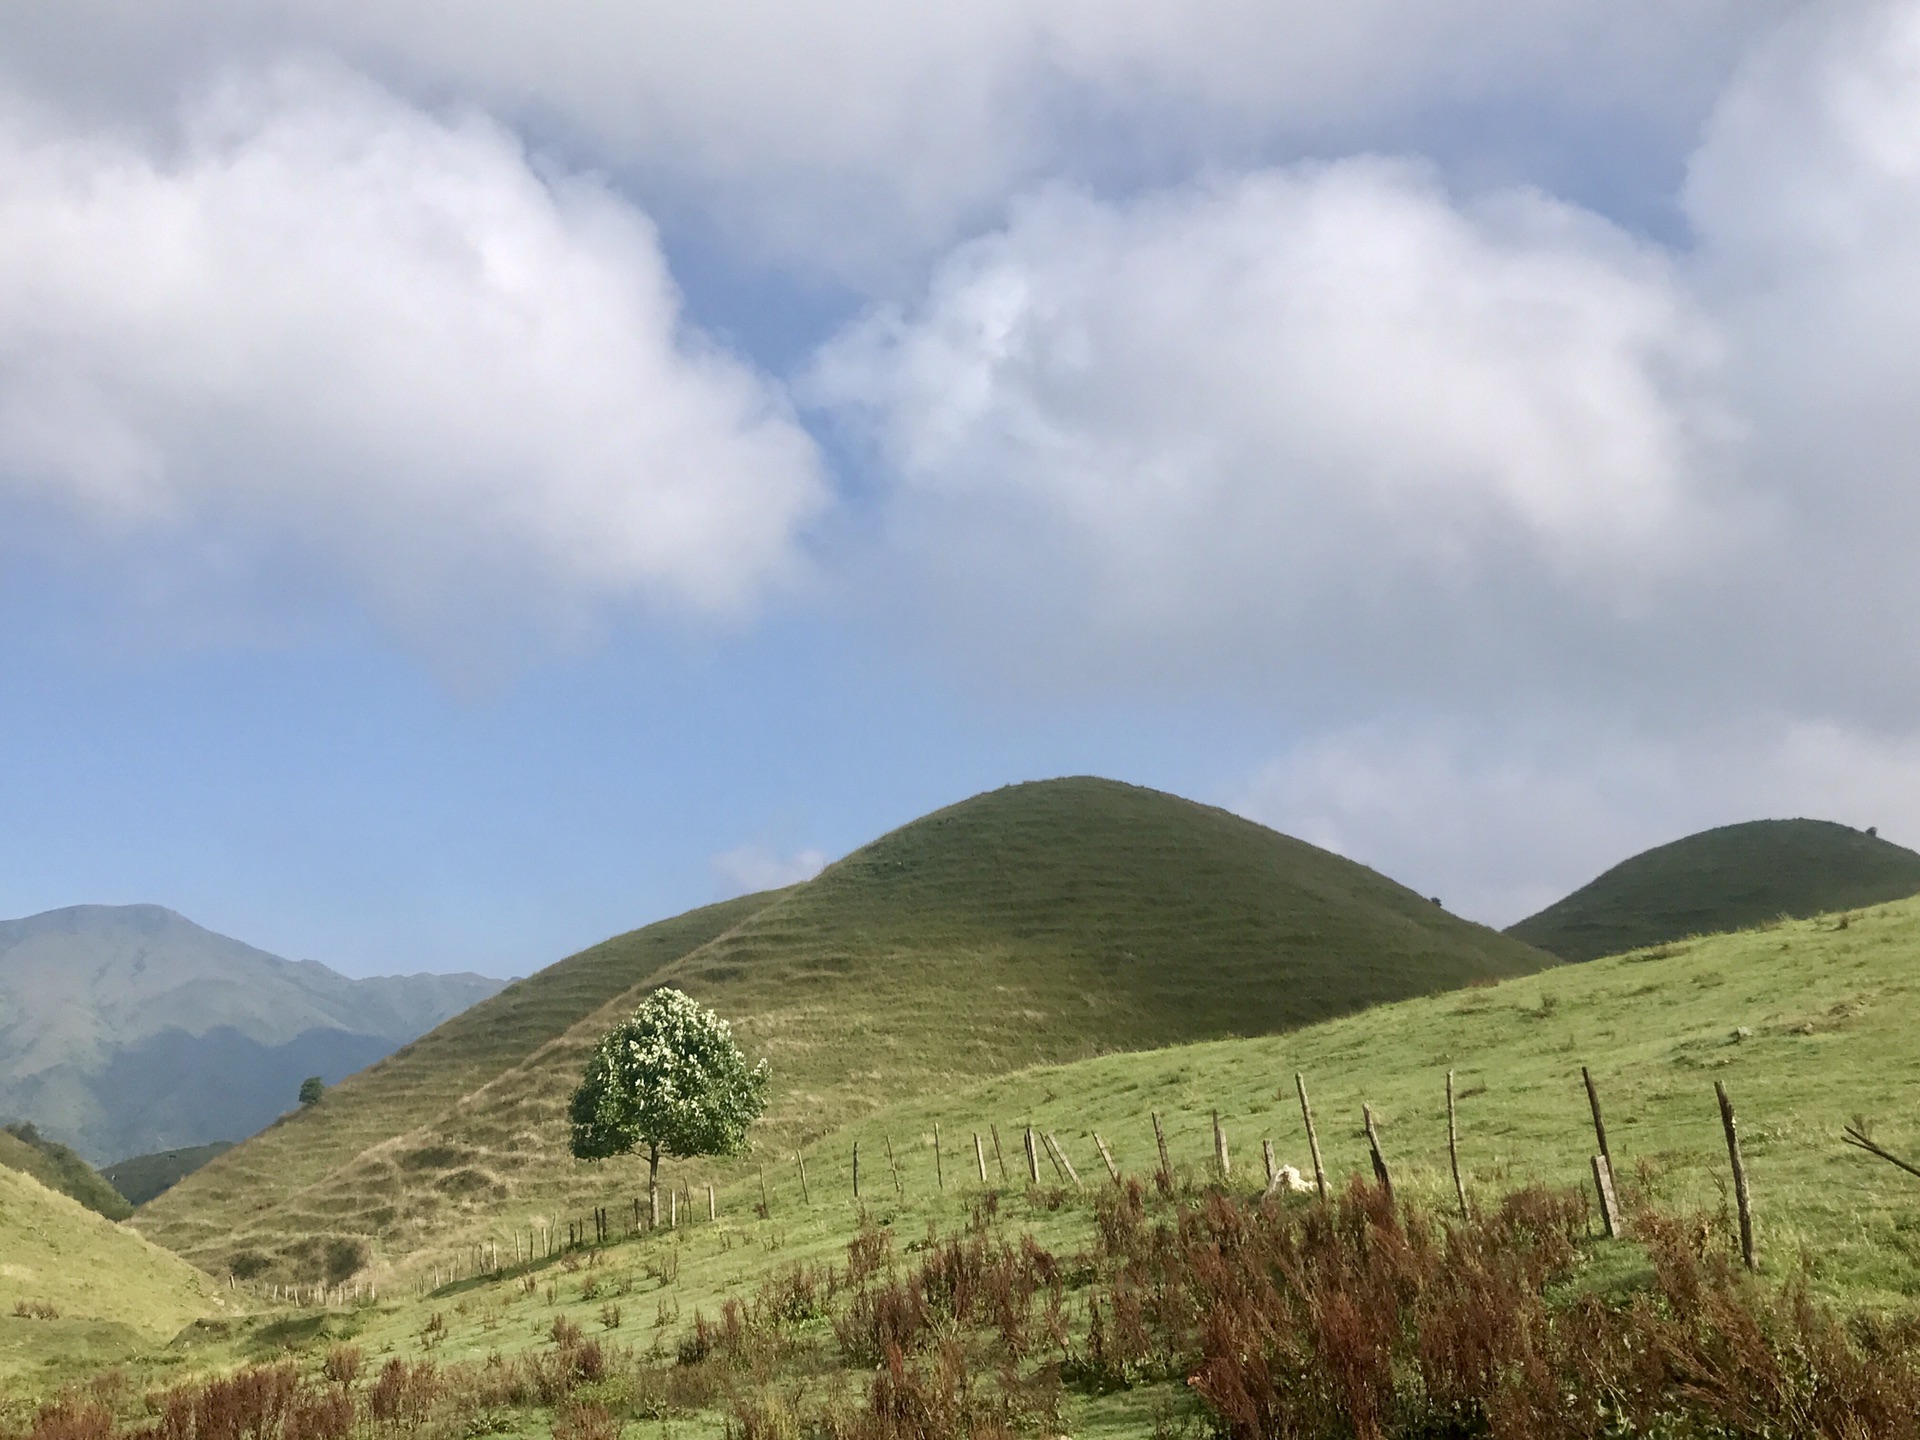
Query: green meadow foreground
x,y
1808,1023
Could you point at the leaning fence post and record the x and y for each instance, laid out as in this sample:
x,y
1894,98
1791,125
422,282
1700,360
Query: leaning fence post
x,y
1453,1152
1164,1176
1060,1154
1033,1158
1220,1150
998,1158
980,1156
1599,1125
939,1170
766,1210
1313,1138
1106,1155
1380,1172
1740,1194
1053,1155
895,1169
806,1195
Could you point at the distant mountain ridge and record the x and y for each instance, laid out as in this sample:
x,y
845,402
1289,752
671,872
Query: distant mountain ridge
x,y
126,1029
1728,878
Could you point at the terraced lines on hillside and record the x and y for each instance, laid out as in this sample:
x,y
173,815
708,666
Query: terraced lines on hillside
x,y
260,1178
1043,922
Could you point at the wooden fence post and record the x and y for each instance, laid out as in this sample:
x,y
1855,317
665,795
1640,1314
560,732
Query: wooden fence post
x,y
1164,1175
939,1169
1220,1158
980,1156
1453,1152
1060,1154
1609,1206
806,1195
1380,1171
1313,1138
1052,1154
998,1158
895,1169
673,1209
1106,1155
1749,1257
856,1169
766,1209
713,1210
1033,1158
1599,1125
1266,1155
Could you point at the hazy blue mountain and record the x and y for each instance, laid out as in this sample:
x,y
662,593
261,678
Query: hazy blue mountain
x,y
128,1029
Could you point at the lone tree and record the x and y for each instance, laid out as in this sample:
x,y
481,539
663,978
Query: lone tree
x,y
668,1080
311,1089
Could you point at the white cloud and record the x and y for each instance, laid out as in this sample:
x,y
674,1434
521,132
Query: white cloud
x,y
838,132
747,869
1322,396
324,321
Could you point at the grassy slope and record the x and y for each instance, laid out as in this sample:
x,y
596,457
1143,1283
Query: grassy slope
x,y
1720,880
58,1168
141,1177
115,1293
1044,922
257,1179
1830,1009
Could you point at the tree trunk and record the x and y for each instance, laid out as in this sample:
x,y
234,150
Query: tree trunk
x,y
653,1185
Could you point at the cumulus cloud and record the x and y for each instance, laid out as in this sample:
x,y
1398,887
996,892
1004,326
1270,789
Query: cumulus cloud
x,y
323,321
1328,395
838,133
747,869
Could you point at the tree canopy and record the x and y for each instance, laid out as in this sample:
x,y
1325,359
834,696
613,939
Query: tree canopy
x,y
668,1080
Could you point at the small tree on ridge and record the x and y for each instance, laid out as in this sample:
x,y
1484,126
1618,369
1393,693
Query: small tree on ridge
x,y
668,1080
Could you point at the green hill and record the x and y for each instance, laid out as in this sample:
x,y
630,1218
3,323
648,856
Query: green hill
x,y
1721,880
25,1149
1808,1023
76,1289
141,1177
1040,923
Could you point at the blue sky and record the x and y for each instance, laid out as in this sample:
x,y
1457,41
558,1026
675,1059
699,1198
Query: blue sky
x,y
469,487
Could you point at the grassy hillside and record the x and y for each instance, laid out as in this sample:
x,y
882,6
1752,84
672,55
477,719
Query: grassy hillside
x,y
420,1080
1827,1012
141,1177
1721,880
96,1292
25,1149
1043,922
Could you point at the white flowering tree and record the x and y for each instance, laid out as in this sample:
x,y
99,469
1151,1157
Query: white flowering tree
x,y
668,1080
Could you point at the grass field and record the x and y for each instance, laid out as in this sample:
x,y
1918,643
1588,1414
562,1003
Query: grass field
x,y
1720,880
1044,922
1809,1024
96,1293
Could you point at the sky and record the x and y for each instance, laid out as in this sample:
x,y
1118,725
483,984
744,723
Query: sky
x,y
475,479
